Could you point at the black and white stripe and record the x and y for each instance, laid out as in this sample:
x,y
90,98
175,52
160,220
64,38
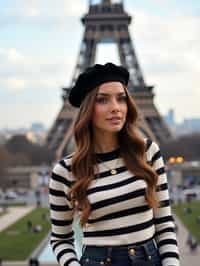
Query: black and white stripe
x,y
120,214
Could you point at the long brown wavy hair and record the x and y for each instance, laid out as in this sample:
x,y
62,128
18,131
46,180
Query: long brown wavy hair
x,y
84,161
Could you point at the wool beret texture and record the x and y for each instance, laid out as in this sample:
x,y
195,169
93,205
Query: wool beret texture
x,y
94,76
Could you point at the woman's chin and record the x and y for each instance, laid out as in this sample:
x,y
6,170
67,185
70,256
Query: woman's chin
x,y
113,129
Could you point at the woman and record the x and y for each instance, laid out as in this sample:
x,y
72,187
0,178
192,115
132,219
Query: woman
x,y
115,180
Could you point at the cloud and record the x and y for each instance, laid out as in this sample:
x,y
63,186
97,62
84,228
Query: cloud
x,y
22,72
24,114
46,13
13,85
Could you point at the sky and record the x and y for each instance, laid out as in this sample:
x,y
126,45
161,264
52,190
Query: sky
x,y
40,42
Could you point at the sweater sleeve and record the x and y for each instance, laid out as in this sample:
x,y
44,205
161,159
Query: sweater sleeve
x,y
164,223
61,214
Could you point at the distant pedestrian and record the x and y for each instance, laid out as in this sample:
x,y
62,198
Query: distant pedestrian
x,y
38,198
45,217
37,228
176,228
193,246
187,210
29,225
192,243
33,262
198,219
189,239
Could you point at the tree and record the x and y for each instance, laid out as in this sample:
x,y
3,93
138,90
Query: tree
x,y
25,152
19,144
187,146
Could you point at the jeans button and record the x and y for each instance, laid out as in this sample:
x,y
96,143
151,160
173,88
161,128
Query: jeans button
x,y
132,251
108,259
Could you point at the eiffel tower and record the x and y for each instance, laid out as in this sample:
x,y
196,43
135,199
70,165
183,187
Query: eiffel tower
x,y
108,21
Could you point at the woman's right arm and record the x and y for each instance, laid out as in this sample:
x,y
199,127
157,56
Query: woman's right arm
x,y
61,214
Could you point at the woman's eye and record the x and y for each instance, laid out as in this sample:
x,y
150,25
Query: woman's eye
x,y
122,99
106,100
101,100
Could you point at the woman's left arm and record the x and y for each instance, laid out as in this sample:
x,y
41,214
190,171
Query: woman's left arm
x,y
164,223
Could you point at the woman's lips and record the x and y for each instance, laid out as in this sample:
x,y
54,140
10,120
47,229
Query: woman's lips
x,y
115,120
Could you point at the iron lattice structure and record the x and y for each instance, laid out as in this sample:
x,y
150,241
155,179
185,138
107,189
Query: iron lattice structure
x,y
104,21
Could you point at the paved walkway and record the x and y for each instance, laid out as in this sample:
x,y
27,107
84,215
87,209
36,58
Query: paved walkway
x,y
13,214
187,258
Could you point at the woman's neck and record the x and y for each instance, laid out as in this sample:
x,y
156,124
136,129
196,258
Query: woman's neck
x,y
105,143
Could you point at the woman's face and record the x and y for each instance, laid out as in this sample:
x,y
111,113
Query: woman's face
x,y
110,108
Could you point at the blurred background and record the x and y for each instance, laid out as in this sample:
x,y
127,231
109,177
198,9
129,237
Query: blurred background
x,y
43,47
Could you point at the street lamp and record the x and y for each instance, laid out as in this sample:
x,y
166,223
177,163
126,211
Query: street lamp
x,y
177,159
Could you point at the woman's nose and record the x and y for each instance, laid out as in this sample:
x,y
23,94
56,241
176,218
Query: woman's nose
x,y
114,105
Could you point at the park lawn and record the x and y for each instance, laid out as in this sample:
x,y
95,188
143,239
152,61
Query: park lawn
x,y
16,242
189,219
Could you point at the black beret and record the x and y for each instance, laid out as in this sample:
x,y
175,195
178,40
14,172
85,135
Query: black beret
x,y
94,76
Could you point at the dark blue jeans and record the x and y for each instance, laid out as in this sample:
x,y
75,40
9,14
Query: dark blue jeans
x,y
144,255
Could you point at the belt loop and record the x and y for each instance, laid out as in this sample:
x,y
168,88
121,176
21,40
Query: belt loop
x,y
148,257
83,248
146,251
109,252
155,243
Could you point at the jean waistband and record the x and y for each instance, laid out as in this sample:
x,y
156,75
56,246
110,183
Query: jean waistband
x,y
120,250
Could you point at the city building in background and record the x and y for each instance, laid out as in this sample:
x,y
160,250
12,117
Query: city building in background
x,y
187,126
36,133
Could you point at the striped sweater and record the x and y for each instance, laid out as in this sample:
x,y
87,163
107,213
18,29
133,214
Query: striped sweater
x,y
119,213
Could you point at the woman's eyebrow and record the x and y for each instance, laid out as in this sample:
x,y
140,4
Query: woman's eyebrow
x,y
108,94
